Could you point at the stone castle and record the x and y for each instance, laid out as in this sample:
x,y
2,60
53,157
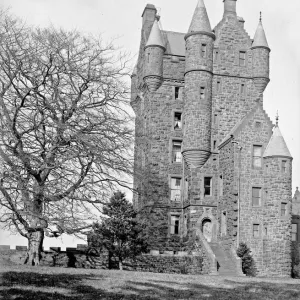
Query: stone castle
x,y
207,156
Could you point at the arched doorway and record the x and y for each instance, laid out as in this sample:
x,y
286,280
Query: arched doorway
x,y
207,229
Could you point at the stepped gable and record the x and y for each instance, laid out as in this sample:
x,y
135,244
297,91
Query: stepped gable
x,y
243,122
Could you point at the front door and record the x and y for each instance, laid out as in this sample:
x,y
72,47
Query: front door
x,y
207,230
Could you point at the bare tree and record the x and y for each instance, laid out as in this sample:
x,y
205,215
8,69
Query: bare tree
x,y
65,137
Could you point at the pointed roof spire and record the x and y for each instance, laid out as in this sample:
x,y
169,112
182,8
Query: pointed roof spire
x,y
155,37
277,119
277,145
200,20
260,39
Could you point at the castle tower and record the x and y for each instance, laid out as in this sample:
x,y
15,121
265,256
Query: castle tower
x,y
261,59
278,206
198,89
154,52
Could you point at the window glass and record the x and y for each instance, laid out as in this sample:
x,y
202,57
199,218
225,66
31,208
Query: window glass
x,y
207,186
257,153
176,152
283,209
255,230
242,58
175,189
256,196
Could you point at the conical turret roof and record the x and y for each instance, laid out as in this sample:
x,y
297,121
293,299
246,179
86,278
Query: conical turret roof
x,y
260,39
277,145
200,21
155,37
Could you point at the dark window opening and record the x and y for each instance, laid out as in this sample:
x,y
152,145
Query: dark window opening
x,y
177,89
174,225
257,125
214,145
217,56
218,86
221,185
203,50
177,120
207,186
202,93
243,89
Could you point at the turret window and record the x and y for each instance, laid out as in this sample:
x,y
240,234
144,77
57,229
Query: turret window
x,y
242,58
283,166
203,50
218,86
177,121
243,89
176,151
217,56
202,92
257,156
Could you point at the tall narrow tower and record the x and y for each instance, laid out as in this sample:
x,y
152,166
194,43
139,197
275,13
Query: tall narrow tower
x,y
198,89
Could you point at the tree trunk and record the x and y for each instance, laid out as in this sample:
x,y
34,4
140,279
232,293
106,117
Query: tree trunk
x,y
35,248
120,264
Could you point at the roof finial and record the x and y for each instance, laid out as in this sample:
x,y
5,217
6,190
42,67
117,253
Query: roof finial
x,y
277,119
260,17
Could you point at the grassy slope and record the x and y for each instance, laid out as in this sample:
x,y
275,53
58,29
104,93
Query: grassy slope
x,y
31,283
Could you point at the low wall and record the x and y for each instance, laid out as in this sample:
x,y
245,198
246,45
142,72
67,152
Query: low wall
x,y
179,263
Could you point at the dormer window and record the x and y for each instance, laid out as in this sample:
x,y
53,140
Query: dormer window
x,y
242,58
203,50
202,92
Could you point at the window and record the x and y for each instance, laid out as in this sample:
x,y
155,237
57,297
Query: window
x,y
294,232
203,50
243,89
283,166
283,209
214,145
256,196
242,58
218,86
221,185
256,230
177,121
257,125
174,225
176,152
266,231
177,90
202,92
224,223
175,189
207,186
257,153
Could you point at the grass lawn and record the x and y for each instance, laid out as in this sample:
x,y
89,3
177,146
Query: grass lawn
x,y
19,282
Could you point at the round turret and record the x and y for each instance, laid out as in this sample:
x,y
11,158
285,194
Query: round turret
x,y
261,59
198,89
154,52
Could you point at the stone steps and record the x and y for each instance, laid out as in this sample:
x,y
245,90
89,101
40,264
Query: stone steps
x,y
226,267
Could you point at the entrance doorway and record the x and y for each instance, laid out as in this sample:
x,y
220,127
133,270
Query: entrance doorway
x,y
207,229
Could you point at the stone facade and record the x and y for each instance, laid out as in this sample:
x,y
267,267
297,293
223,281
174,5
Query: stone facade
x,y
205,154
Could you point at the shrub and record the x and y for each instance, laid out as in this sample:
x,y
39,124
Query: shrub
x,y
248,264
295,261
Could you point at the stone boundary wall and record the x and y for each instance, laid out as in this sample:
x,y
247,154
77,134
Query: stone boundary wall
x,y
82,257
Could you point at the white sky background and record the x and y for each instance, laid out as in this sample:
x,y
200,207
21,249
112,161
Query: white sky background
x,y
122,19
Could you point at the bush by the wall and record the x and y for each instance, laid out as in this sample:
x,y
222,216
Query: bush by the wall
x,y
248,264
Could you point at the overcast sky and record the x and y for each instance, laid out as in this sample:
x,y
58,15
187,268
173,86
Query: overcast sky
x,y
122,19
